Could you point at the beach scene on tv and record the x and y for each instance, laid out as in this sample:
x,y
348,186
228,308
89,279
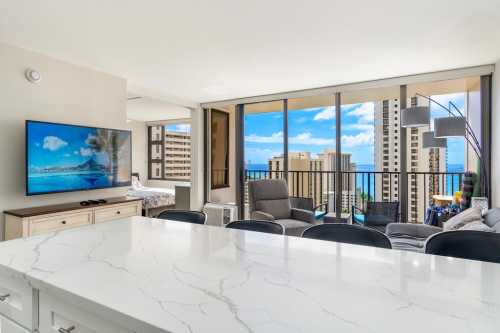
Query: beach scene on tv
x,y
69,158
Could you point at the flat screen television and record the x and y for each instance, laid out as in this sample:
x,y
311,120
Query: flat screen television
x,y
65,158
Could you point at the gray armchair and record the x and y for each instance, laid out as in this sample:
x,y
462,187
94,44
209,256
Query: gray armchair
x,y
269,200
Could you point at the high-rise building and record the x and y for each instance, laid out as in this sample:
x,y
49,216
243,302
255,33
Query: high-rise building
x,y
421,187
175,157
315,177
178,155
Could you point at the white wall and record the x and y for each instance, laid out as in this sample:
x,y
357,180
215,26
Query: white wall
x,y
139,147
68,94
495,139
197,161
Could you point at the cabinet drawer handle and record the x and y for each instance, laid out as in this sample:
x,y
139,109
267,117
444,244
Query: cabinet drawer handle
x,y
63,222
66,330
118,212
3,298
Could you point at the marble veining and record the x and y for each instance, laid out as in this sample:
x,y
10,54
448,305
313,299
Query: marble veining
x,y
179,277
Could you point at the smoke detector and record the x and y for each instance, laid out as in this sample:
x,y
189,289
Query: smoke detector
x,y
32,75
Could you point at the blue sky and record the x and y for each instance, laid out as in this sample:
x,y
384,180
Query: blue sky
x,y
181,128
313,130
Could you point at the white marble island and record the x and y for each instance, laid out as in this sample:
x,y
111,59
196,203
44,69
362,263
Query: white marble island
x,y
145,275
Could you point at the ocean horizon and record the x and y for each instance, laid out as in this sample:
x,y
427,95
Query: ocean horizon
x,y
366,184
359,167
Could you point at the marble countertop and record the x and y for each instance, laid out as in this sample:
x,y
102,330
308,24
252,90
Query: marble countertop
x,y
178,277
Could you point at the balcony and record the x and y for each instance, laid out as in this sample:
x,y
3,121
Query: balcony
x,y
360,187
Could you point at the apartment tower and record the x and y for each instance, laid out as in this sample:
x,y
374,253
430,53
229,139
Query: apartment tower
x,y
315,177
174,158
421,187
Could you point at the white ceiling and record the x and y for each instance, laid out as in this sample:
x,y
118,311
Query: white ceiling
x,y
150,109
200,51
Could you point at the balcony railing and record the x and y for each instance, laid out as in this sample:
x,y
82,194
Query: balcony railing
x,y
360,187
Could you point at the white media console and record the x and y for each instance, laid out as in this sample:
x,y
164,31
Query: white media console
x,y
39,220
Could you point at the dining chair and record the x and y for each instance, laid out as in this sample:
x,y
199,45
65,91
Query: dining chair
x,y
348,233
257,225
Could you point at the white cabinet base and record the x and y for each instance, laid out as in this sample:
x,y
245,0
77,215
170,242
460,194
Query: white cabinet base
x,y
56,315
8,326
18,225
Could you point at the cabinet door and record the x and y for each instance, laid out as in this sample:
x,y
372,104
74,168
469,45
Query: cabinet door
x,y
7,326
116,212
45,224
57,316
16,300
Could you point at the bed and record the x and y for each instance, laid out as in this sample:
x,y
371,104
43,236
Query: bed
x,y
154,200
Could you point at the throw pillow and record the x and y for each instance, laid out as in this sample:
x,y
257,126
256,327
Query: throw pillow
x,y
465,217
477,226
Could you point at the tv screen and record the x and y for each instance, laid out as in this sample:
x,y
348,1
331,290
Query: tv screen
x,y
63,158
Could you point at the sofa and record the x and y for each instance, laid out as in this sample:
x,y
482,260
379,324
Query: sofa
x,y
412,237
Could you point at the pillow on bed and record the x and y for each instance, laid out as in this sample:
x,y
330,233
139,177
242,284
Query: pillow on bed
x,y
136,184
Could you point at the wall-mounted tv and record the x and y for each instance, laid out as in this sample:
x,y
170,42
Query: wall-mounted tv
x,y
64,158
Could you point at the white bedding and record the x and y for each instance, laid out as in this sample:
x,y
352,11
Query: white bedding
x,y
153,197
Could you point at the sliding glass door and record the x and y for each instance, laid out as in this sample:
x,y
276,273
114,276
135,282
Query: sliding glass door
x,y
312,149
360,152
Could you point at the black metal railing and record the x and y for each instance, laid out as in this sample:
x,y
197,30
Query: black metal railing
x,y
360,187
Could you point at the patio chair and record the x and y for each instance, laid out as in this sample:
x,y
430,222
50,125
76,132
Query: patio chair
x,y
377,215
308,204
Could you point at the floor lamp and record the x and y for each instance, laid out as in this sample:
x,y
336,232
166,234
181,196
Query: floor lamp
x,y
456,125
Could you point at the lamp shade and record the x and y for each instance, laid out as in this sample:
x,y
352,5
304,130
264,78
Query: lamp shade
x,y
449,127
416,116
429,141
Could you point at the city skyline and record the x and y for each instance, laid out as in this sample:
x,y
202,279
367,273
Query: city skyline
x,y
313,130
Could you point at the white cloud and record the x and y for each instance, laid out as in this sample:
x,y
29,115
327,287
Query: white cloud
x,y
308,139
365,113
86,151
301,139
360,139
358,127
326,114
274,138
53,143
